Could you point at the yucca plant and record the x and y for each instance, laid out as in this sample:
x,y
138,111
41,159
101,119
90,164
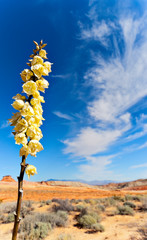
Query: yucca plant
x,y
28,118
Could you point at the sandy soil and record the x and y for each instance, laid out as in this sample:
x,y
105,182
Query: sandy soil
x,y
116,227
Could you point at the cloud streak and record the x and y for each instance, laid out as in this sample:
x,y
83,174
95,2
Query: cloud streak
x,y
62,115
140,166
118,82
4,125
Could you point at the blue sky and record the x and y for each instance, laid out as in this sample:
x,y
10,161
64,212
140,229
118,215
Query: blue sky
x,y
96,105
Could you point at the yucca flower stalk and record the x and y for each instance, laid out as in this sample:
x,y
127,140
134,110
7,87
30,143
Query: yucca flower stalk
x,y
28,119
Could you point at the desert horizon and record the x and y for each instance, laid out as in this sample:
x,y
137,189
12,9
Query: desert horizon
x,y
118,206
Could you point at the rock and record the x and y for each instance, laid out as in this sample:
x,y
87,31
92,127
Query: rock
x,y
7,178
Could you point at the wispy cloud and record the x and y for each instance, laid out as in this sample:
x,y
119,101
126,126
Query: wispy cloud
x,y
63,76
118,82
62,115
4,125
96,168
91,141
143,146
139,166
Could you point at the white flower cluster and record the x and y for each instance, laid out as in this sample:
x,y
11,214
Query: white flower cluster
x,y
28,119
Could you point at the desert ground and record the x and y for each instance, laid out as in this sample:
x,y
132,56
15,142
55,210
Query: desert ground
x,y
71,199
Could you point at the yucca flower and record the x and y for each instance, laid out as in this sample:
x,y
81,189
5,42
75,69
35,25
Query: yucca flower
x,y
28,118
30,170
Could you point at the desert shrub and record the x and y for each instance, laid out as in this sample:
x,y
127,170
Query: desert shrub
x,y
87,219
57,200
2,218
143,232
9,218
52,220
48,202
125,210
130,204
87,200
112,201
42,203
128,197
73,201
25,211
64,237
119,198
112,213
27,204
58,219
9,207
101,208
36,231
98,227
80,207
136,198
93,201
144,203
63,205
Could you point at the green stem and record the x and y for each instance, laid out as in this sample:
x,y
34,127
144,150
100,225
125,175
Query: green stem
x,y
19,199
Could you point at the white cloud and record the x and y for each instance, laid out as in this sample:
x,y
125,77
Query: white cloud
x,y
62,115
96,168
98,31
138,134
91,141
143,146
140,166
4,125
118,83
63,76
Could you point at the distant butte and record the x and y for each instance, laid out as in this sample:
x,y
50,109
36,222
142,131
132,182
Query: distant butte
x,y
7,178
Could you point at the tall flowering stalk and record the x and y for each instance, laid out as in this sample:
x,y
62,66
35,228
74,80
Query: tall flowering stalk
x,y
28,119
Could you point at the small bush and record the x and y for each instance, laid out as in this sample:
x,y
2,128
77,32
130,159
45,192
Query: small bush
x,y
130,204
49,221
125,210
87,221
98,227
80,208
112,213
43,203
143,232
64,237
2,218
119,198
48,202
25,211
9,218
88,218
27,204
128,197
93,201
101,208
9,207
136,198
144,203
87,200
36,231
112,201
64,205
